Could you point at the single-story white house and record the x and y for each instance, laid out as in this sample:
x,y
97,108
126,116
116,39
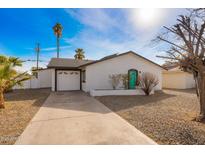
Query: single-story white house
x,y
66,74
176,79
88,75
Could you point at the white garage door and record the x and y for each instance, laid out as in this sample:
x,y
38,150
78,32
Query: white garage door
x,y
68,80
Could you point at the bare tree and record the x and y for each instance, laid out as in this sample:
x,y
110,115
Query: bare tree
x,y
147,82
186,43
199,13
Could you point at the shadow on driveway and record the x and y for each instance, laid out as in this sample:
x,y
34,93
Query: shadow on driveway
x,y
74,101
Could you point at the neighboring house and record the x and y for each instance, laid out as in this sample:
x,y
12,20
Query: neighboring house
x,y
86,75
177,79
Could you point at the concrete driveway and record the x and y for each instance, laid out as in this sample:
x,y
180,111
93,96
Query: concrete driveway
x,y
76,118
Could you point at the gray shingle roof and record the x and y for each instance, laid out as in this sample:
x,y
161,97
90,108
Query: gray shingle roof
x,y
122,54
66,63
72,63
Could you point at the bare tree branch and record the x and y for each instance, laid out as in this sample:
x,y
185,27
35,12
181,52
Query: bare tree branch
x,y
171,43
199,39
166,57
174,49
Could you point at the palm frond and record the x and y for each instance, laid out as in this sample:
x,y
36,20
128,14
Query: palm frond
x,y
15,61
9,77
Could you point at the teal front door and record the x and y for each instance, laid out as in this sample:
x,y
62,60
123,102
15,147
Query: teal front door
x,y
132,78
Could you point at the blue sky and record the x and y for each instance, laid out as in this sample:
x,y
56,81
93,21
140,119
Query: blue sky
x,y
99,32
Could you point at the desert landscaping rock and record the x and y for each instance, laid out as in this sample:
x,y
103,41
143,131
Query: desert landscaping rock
x,y
167,117
21,106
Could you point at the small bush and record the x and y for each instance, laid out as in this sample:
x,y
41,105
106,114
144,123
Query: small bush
x,y
125,80
147,82
115,80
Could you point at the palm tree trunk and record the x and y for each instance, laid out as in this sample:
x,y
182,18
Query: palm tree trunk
x,y
1,99
58,44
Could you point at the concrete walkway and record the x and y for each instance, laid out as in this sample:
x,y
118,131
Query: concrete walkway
x,y
75,118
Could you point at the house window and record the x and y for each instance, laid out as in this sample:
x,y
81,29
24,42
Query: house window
x,y
83,76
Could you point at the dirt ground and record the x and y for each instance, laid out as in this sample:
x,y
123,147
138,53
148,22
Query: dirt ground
x,y
21,106
166,117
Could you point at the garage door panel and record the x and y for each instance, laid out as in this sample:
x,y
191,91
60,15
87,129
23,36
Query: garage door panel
x,y
68,80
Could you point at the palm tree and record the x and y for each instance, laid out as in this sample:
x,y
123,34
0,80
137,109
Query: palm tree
x,y
58,32
9,77
79,54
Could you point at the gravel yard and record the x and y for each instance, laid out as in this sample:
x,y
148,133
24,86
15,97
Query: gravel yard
x,y
166,117
21,106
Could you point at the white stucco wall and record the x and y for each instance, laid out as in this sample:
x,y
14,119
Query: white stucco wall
x,y
177,80
121,92
97,75
45,77
43,81
25,85
83,86
32,83
190,83
35,83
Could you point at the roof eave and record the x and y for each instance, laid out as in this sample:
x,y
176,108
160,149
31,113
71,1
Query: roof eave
x,y
61,67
